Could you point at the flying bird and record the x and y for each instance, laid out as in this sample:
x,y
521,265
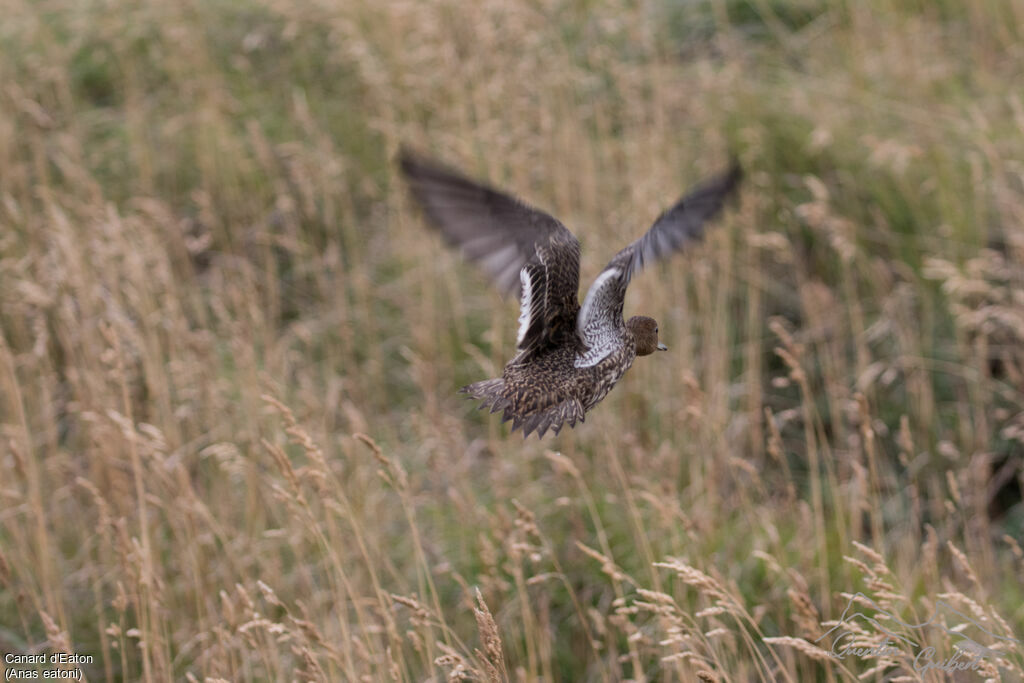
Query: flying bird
x,y
568,356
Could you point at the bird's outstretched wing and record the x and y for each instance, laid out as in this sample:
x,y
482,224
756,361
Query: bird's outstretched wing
x,y
522,249
600,322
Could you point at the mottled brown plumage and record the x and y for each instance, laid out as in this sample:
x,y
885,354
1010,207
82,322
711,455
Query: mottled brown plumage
x,y
569,357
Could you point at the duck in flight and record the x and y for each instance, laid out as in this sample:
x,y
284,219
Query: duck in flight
x,y
568,356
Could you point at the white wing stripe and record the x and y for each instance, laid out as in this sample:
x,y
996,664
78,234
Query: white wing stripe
x,y
525,306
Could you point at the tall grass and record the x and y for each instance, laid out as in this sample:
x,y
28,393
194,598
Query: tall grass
x,y
229,436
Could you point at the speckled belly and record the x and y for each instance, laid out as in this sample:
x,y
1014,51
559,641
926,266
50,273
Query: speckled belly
x,y
548,380
601,378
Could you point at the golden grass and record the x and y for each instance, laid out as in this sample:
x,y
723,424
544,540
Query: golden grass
x,y
229,436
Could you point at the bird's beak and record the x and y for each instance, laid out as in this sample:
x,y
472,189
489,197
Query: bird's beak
x,y
662,347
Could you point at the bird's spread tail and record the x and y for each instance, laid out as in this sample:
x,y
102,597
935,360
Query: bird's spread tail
x,y
491,394
554,417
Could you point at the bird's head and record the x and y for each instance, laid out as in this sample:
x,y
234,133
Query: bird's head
x,y
645,333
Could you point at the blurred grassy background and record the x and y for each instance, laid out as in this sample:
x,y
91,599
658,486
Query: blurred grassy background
x,y
229,433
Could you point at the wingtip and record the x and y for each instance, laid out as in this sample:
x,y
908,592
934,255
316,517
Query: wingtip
x,y
408,159
734,173
417,166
